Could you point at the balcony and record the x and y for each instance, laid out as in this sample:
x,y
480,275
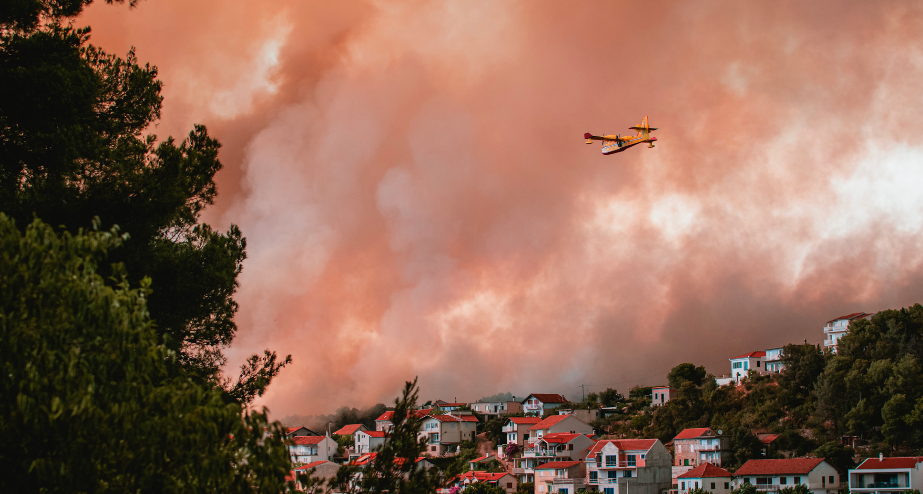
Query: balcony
x,y
883,485
711,447
768,487
834,329
544,453
621,464
521,471
830,342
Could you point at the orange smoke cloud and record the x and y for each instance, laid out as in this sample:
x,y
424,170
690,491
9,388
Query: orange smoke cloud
x,y
418,200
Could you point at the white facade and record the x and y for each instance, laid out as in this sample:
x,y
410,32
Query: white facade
x,y
887,475
661,395
538,404
821,479
308,449
837,328
635,466
366,441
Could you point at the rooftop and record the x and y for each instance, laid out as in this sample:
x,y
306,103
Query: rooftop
x,y
778,467
704,471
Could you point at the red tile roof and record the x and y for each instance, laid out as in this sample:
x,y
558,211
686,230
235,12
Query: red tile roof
x,y
311,465
486,457
375,433
480,476
385,416
455,418
559,437
622,445
704,471
850,316
547,398
347,430
767,438
692,433
308,439
525,420
389,415
750,355
893,462
551,420
778,467
557,464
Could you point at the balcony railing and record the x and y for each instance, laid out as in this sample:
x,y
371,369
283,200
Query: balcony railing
x,y
768,487
830,342
712,447
621,464
883,485
521,471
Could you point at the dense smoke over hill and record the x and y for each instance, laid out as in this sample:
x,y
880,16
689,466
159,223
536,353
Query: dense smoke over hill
x,y
418,200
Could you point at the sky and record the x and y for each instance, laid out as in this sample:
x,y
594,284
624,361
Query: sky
x,y
418,199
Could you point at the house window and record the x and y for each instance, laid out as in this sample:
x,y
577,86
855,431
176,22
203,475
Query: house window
x,y
612,460
757,363
594,476
562,491
627,473
783,480
612,474
642,457
509,485
559,472
712,486
686,462
831,479
796,480
609,490
727,485
737,365
682,486
631,460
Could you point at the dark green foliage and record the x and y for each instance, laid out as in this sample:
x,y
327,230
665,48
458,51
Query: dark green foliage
x,y
686,373
745,488
343,416
72,147
698,490
526,488
494,430
837,455
611,397
89,403
484,488
394,469
796,489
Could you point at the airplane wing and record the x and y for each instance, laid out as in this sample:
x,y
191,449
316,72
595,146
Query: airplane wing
x,y
591,137
639,129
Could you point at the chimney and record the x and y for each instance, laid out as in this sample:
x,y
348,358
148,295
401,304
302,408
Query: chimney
x,y
881,457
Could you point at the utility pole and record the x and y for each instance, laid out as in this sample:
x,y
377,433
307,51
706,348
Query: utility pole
x,y
583,392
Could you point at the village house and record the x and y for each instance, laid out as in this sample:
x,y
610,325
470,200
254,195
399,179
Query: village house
x,y
299,431
496,408
503,480
583,414
540,404
615,466
517,432
772,362
555,446
481,461
692,447
320,470
661,395
742,364
771,476
559,423
837,328
384,422
560,477
706,476
349,430
887,475
366,441
308,449
444,432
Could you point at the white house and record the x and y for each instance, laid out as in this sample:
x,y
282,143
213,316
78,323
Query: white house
x,y
555,446
445,432
661,395
742,364
887,475
837,328
496,408
538,404
308,449
693,447
617,466
560,423
770,476
517,432
560,477
366,441
384,422
711,478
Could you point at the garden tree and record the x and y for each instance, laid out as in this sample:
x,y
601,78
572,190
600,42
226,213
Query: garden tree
x,y
525,488
640,394
837,455
795,489
745,488
394,469
610,397
88,399
698,490
684,373
803,365
494,430
484,488
73,147
592,400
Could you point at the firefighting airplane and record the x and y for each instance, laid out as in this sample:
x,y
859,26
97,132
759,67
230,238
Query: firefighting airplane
x,y
617,144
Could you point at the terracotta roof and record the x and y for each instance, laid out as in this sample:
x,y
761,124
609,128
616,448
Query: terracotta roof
x,y
557,464
750,355
311,465
704,471
692,433
385,416
347,430
525,420
546,398
455,418
894,462
559,437
375,433
850,316
308,439
767,438
389,415
662,387
551,420
778,467
482,476
623,445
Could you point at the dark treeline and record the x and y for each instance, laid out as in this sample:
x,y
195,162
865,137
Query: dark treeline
x,y
343,416
869,394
